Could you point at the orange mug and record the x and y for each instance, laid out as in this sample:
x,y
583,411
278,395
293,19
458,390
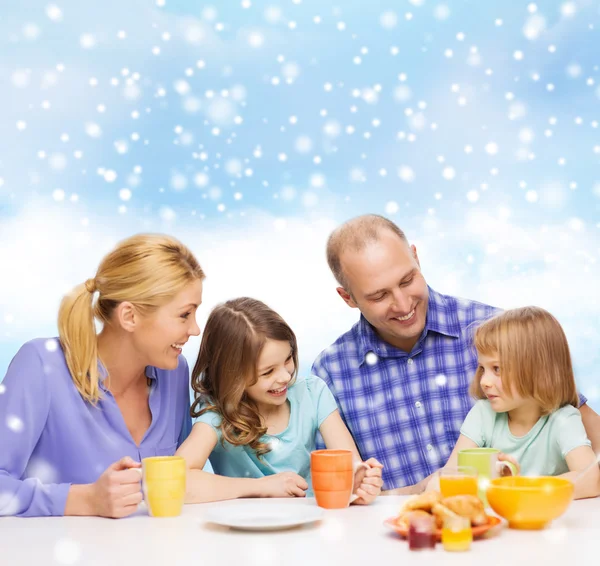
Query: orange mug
x,y
332,473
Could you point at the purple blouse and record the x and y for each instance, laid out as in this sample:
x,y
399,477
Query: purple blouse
x,y
51,438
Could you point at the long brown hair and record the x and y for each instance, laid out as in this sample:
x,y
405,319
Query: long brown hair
x,y
233,338
534,357
148,270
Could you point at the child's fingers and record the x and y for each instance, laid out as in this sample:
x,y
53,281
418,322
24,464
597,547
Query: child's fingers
x,y
373,472
508,458
364,498
373,463
377,482
370,489
297,491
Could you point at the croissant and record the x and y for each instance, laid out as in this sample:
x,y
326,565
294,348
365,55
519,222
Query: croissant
x,y
423,502
467,506
441,513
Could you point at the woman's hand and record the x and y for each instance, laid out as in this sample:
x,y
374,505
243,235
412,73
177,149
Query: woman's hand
x,y
369,482
118,491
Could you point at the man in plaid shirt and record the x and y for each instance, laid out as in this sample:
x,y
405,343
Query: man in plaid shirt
x,y
401,374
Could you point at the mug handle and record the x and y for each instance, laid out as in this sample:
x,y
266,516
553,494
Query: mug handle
x,y
355,467
503,467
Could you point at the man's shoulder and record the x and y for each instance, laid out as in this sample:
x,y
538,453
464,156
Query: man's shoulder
x,y
467,311
346,344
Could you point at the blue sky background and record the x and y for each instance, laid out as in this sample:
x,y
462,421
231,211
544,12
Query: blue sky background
x,y
250,129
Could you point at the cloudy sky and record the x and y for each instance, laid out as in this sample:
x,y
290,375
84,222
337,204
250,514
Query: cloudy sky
x,y
250,129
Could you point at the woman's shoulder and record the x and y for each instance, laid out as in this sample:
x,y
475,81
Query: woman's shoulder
x,y
44,346
43,353
40,366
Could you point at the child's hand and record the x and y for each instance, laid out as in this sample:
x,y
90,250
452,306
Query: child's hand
x,y
502,457
284,484
370,483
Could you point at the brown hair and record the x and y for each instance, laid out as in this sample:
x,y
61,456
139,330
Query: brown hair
x,y
354,235
233,338
534,357
148,270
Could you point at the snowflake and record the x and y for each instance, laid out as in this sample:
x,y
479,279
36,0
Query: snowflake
x,y
441,379
491,148
448,173
388,20
472,196
54,13
14,423
406,173
534,26
371,358
391,208
317,181
256,39
87,41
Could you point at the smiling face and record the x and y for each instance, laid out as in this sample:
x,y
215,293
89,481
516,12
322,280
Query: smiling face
x,y
275,370
386,284
159,337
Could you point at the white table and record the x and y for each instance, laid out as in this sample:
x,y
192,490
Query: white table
x,y
350,536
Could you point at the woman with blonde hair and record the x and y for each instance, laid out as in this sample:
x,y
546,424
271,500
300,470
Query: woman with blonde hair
x,y
80,411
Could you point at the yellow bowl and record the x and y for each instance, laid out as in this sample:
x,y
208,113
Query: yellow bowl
x,y
529,502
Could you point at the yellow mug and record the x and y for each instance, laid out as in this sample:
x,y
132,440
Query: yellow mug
x,y
163,485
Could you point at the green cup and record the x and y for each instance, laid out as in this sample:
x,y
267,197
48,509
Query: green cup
x,y
485,461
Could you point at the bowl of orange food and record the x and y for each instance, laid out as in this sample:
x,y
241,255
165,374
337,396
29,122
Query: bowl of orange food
x,y
530,502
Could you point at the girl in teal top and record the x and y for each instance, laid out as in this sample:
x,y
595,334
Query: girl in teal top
x,y
528,400
255,419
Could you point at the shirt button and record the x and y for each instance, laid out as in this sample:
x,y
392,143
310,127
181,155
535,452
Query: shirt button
x,y
410,361
418,404
429,447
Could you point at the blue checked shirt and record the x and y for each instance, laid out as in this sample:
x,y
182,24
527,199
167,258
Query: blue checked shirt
x,y
406,409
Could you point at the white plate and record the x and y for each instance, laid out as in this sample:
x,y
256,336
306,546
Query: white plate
x,y
263,517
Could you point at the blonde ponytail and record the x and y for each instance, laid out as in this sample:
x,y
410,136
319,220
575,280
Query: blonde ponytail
x,y
147,270
77,333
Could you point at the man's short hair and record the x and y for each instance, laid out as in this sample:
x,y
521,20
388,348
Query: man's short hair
x,y
354,235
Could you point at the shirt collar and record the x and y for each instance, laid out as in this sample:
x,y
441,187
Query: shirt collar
x,y
441,318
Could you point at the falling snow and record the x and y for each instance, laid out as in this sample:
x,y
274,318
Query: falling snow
x,y
168,121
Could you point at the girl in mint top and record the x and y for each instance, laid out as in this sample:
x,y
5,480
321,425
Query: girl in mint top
x,y
527,399
254,418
